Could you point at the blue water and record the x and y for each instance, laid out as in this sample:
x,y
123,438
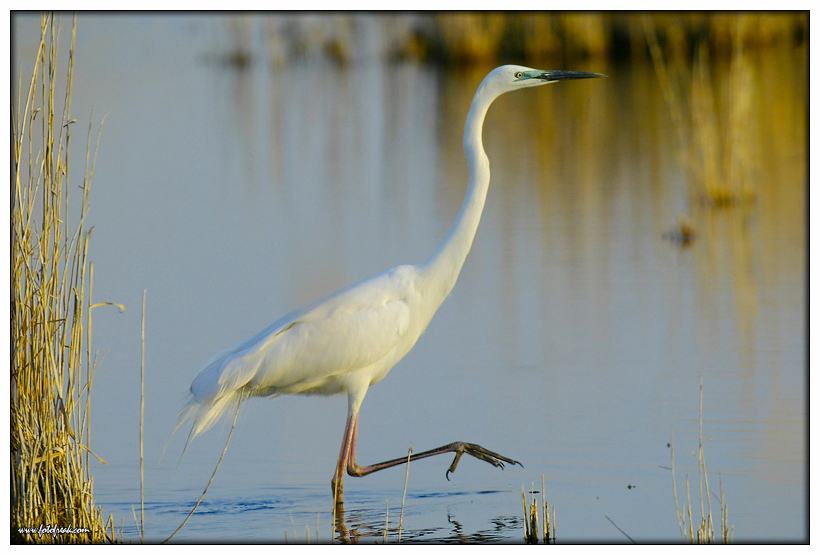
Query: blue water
x,y
574,341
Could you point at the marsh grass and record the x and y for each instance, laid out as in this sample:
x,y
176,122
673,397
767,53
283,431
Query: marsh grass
x,y
52,364
532,530
702,532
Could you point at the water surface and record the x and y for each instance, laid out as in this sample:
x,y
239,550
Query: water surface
x,y
574,340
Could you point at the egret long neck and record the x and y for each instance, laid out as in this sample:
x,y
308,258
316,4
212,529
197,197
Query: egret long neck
x,y
441,270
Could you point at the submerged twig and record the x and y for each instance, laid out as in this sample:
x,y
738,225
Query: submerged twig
x,y
620,529
201,497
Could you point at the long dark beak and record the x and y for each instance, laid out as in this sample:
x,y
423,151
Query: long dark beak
x,y
566,75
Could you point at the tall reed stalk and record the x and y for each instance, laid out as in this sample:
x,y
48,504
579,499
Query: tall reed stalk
x,y
52,366
704,533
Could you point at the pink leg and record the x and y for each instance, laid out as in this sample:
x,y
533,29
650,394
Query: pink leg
x,y
354,437
347,452
347,457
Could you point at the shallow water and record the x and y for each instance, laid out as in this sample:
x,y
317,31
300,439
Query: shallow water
x,y
574,340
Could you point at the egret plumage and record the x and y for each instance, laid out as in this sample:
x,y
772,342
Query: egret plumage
x,y
349,340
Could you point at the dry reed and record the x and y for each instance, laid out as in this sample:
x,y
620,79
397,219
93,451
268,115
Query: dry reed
x,y
531,526
142,424
404,493
704,533
52,365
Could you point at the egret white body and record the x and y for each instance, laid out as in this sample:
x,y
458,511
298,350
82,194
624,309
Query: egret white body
x,y
349,340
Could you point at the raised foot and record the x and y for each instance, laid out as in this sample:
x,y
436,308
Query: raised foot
x,y
478,452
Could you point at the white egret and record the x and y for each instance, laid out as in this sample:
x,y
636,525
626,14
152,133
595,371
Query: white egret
x,y
349,340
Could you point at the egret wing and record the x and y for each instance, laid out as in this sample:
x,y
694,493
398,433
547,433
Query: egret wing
x,y
349,330
309,352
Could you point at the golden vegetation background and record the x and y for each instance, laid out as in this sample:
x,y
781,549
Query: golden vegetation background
x,y
717,73
711,67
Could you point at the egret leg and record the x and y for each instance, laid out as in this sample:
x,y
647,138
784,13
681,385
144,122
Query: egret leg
x,y
347,457
348,445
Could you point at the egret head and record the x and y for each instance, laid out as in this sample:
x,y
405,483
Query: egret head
x,y
511,77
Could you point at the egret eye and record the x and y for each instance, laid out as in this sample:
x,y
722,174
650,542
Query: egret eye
x,y
518,75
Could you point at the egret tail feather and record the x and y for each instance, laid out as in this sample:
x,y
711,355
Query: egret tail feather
x,y
204,415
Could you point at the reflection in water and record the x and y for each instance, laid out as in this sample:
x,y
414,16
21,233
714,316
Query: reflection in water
x,y
574,319
367,525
